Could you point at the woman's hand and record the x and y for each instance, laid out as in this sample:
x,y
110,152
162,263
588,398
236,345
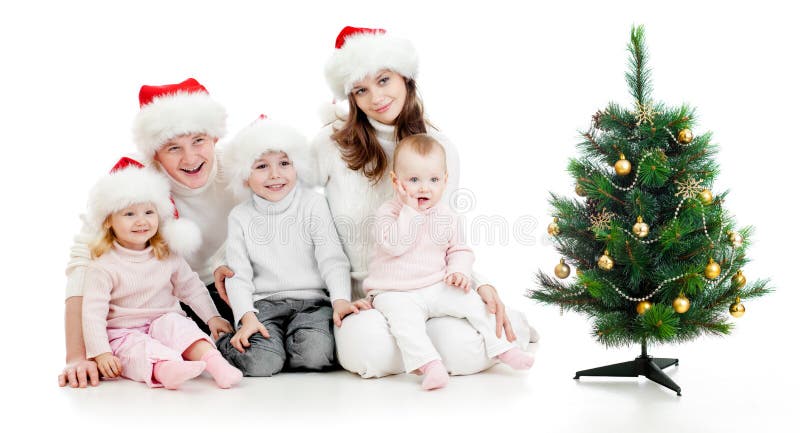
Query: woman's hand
x,y
109,365
496,307
250,325
220,274
76,372
219,325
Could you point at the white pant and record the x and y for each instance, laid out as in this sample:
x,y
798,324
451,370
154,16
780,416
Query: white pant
x,y
407,312
366,347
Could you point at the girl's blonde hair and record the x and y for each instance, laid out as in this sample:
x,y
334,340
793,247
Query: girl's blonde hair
x,y
104,243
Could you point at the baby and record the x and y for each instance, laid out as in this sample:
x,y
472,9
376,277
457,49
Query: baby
x,y
421,266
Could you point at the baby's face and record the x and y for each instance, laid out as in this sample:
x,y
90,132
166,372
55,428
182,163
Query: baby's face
x,y
423,177
272,176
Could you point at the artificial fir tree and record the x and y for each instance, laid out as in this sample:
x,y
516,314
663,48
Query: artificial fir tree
x,y
658,258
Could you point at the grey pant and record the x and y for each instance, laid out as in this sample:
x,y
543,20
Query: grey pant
x,y
300,337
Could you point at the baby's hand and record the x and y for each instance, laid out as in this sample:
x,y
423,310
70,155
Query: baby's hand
x,y
403,195
250,325
459,280
219,325
109,365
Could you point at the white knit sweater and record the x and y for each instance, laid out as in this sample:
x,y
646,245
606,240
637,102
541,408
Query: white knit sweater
x,y
207,206
284,250
353,199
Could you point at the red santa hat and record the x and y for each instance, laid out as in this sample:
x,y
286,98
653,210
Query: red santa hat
x,y
130,182
262,136
175,109
363,51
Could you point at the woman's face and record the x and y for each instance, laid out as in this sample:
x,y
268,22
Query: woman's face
x,y
188,158
381,96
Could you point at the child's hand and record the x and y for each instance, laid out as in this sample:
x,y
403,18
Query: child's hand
x,y
403,195
459,280
342,309
250,325
219,325
109,365
363,304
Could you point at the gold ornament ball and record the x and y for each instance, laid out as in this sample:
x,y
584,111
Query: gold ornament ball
x,y
623,166
737,308
605,262
712,269
739,279
562,269
643,306
579,190
706,197
685,136
681,304
735,239
552,228
641,229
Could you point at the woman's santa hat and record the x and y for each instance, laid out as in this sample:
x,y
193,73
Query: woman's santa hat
x,y
363,51
258,138
175,109
129,183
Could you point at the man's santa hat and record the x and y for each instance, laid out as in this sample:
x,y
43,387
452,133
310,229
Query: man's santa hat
x,y
362,51
129,183
262,136
175,109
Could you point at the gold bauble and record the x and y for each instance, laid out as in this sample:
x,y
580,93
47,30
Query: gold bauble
x,y
735,239
685,136
737,308
739,279
623,166
641,229
579,190
712,269
706,197
643,306
605,262
552,228
562,269
681,304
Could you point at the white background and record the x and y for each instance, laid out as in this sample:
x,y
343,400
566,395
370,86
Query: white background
x,y
511,85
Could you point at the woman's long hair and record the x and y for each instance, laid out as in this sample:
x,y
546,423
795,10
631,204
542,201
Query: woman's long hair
x,y
358,143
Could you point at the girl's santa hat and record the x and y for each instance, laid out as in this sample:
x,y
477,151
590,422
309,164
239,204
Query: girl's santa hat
x,y
363,51
175,109
130,183
258,138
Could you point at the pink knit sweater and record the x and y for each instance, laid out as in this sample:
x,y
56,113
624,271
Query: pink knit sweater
x,y
416,249
128,289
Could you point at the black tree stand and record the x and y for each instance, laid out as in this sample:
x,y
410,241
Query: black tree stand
x,y
644,365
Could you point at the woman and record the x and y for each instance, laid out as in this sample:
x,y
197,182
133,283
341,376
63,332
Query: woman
x,y
375,72
175,131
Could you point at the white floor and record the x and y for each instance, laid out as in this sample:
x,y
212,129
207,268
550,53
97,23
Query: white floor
x,y
738,383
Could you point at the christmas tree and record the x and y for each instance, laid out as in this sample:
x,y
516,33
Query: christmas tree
x,y
657,257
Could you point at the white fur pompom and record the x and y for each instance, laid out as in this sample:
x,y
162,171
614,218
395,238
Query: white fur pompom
x,y
182,236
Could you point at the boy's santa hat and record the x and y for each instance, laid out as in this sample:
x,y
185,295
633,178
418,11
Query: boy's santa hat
x,y
128,183
262,136
175,109
363,51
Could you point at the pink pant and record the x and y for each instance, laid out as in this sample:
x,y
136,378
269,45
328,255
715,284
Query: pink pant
x,y
163,339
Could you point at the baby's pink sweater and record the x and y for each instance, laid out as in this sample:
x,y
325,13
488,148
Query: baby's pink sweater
x,y
128,289
416,249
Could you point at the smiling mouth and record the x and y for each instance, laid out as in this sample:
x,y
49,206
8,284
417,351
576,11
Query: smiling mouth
x,y
141,231
277,187
384,108
195,170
